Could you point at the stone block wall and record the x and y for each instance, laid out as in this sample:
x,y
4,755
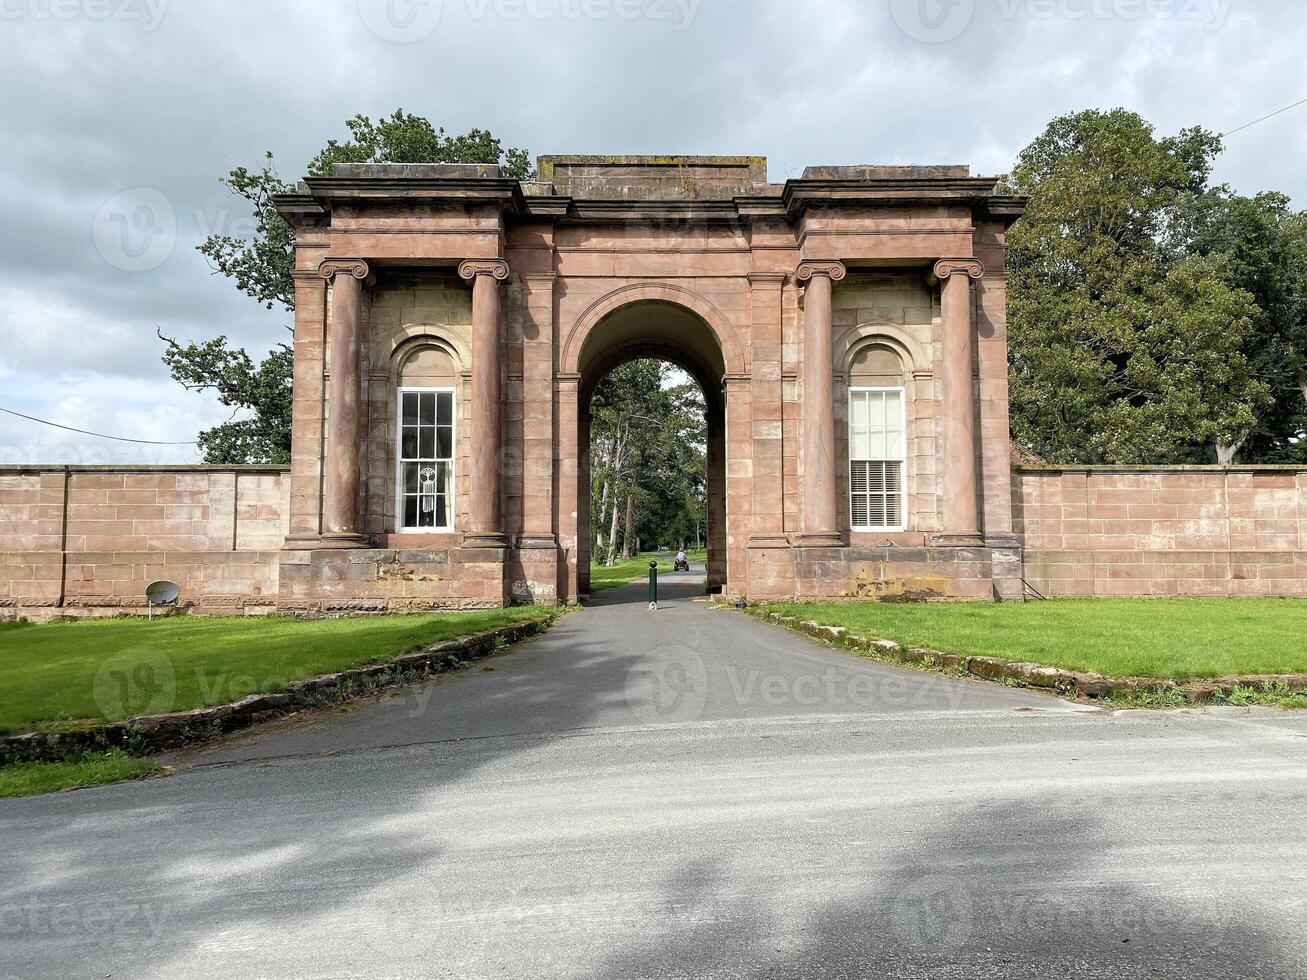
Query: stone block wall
x,y
81,541
898,574
368,580
1199,531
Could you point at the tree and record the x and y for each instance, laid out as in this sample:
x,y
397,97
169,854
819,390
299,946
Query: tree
x,y
1264,244
648,464
1123,348
262,264
261,267
263,390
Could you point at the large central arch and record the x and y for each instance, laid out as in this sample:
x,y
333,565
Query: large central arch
x,y
670,323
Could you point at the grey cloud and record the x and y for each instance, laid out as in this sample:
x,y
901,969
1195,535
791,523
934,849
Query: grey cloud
x,y
100,106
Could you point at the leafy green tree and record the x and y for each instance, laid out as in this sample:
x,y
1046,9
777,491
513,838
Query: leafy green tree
x,y
1123,350
1264,243
261,264
262,390
648,464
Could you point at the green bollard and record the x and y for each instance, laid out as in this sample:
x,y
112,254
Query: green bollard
x,y
653,585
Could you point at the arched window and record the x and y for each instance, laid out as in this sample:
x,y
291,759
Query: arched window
x,y
877,440
425,441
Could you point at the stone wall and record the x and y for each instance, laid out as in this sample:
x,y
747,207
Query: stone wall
x,y
1199,530
84,540
904,574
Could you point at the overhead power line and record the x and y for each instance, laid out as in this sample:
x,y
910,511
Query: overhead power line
x,y
1269,115
98,435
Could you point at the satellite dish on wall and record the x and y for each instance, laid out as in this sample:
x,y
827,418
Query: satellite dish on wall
x,y
161,594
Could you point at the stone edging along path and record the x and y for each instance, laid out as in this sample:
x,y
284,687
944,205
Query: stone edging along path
x,y
155,733
1068,682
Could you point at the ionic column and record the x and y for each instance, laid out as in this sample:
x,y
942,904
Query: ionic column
x,y
819,510
959,514
340,521
485,525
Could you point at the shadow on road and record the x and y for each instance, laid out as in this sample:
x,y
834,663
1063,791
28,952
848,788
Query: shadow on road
x,y
989,891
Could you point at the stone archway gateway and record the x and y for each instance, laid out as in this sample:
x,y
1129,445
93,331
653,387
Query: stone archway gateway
x,y
673,324
847,327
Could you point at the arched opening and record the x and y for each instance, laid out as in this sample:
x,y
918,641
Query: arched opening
x,y
659,330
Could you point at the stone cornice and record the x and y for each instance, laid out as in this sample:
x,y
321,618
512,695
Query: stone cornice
x,y
300,210
471,268
310,204
329,268
799,194
945,268
490,190
820,267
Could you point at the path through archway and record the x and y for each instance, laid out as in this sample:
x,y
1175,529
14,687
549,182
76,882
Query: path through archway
x,y
666,331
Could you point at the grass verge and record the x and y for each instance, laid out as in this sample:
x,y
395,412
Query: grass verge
x,y
1172,639
56,674
93,769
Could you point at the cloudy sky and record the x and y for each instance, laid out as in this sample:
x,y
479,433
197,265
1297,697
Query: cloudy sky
x,y
111,104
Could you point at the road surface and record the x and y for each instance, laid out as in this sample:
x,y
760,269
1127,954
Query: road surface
x,y
683,793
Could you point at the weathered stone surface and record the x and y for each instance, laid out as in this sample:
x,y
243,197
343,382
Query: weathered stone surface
x,y
1092,685
990,668
1200,692
1037,675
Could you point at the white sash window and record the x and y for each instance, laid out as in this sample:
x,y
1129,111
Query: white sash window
x,y
877,459
426,459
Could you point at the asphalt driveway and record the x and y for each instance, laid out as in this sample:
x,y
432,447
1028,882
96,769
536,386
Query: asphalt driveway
x,y
683,793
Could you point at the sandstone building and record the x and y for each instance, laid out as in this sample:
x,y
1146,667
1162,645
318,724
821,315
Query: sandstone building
x,y
847,328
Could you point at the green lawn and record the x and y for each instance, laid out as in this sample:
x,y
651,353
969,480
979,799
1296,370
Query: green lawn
x,y
28,778
636,569
1176,639
107,669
